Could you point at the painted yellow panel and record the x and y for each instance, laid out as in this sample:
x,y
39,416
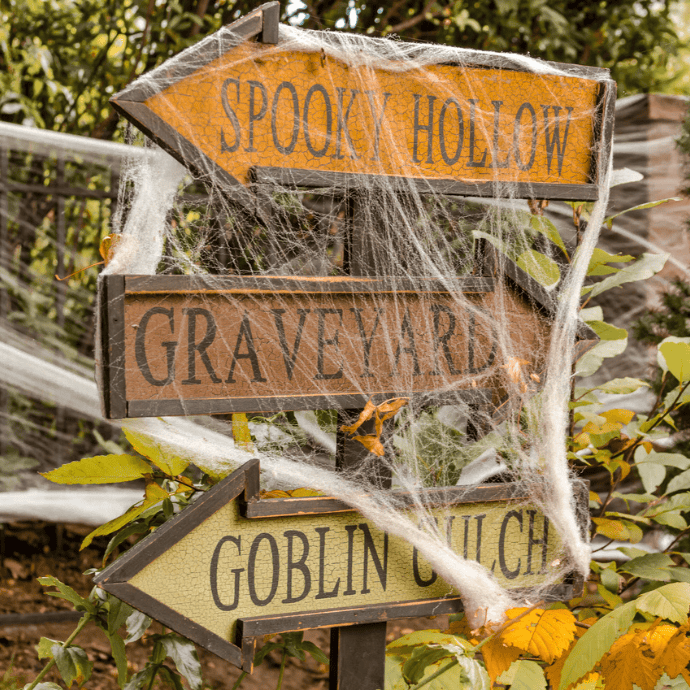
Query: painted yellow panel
x,y
259,105
230,567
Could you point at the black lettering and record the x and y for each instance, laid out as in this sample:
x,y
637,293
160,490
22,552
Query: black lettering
x,y
350,529
251,568
140,347
288,148
470,347
449,529
467,519
366,342
322,565
450,160
411,349
554,142
317,88
254,114
231,115
517,129
472,162
214,574
289,358
245,333
342,123
323,341
479,518
297,565
442,340
193,347
531,541
496,163
369,548
421,582
428,128
507,573
378,118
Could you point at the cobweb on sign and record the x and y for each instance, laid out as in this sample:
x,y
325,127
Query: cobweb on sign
x,y
439,359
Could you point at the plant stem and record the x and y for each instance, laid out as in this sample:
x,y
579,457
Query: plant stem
x,y
428,680
283,661
239,680
82,622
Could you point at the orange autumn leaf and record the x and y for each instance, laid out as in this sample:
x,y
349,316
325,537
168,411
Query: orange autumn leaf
x,y
107,247
553,672
544,634
635,658
498,656
676,656
382,412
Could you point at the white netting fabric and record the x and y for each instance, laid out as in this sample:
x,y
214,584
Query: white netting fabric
x,y
395,226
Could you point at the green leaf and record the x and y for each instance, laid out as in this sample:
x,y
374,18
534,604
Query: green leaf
x,y
621,386
596,641
137,624
676,356
652,566
170,677
134,528
166,461
118,613
524,675
141,679
154,494
671,519
265,651
183,653
100,469
543,269
415,666
650,204
405,645
543,225
610,578
318,655
671,602
66,592
590,362
645,267
117,647
606,331
44,648
73,664
598,263
679,483
45,686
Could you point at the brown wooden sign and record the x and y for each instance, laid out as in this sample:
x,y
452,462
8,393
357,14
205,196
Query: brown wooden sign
x,y
186,345
232,567
242,110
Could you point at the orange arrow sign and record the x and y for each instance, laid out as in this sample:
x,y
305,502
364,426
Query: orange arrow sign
x,y
231,567
243,110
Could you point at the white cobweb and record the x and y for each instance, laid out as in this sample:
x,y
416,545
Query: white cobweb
x,y
400,230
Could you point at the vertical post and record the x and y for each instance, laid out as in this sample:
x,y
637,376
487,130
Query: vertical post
x,y
358,652
60,241
4,297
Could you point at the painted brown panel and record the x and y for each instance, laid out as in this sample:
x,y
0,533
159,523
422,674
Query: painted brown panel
x,y
248,343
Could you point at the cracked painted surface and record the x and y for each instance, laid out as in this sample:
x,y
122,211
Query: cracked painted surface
x,y
230,567
259,105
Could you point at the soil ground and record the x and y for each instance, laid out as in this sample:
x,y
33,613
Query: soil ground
x,y
34,549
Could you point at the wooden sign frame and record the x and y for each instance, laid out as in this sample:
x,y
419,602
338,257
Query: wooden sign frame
x,y
262,25
243,484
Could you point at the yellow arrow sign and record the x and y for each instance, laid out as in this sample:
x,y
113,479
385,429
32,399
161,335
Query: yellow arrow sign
x,y
233,567
240,108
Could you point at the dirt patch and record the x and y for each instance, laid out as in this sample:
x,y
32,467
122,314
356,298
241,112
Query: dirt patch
x,y
34,549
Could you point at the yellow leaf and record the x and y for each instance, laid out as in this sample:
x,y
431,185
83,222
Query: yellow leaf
x,y
553,672
154,494
620,530
276,493
619,415
171,464
240,431
676,656
300,493
634,658
371,443
382,412
100,469
364,416
108,245
544,634
498,656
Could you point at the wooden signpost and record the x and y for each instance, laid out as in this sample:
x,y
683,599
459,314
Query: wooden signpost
x,y
233,567
249,112
243,111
